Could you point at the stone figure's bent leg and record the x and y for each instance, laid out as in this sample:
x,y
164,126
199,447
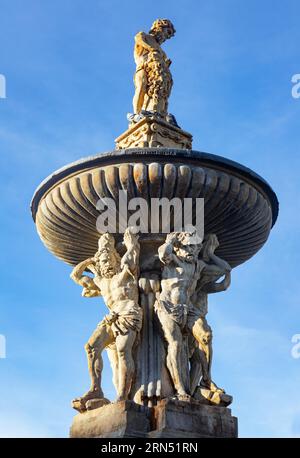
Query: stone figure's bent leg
x,y
124,345
173,336
203,335
140,82
112,354
100,339
196,363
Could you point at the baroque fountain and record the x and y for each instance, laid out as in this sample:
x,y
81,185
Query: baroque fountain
x,y
155,283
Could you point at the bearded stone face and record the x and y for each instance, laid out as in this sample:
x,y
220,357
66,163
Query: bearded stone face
x,y
163,34
108,264
187,253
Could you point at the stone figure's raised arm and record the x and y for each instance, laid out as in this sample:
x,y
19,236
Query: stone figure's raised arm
x,y
90,289
130,260
215,268
220,263
77,272
215,265
166,251
217,287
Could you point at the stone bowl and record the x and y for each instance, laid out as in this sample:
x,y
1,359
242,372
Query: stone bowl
x,y
240,207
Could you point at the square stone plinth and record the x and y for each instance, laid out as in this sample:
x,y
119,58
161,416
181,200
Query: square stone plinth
x,y
179,419
118,419
170,418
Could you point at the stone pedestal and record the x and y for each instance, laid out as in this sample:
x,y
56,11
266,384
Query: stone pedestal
x,y
154,132
119,419
178,419
168,419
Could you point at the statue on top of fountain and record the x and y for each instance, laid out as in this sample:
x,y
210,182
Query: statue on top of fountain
x,y
150,124
152,79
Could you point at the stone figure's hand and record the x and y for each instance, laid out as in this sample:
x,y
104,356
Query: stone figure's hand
x,y
165,253
130,237
88,292
89,287
171,238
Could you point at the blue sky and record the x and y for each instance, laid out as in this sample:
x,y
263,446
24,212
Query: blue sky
x,y
69,67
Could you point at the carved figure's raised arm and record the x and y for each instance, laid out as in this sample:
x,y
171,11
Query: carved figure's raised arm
x,y
166,254
215,266
217,287
130,260
220,263
77,272
90,289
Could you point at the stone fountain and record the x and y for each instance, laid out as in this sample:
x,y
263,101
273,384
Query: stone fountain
x,y
155,284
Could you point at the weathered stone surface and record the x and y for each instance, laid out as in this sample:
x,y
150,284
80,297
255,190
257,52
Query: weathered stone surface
x,y
173,418
82,405
156,334
170,418
190,271
173,299
239,206
212,397
116,279
119,419
153,80
96,403
154,132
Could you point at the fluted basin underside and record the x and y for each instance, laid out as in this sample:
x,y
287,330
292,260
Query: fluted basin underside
x,y
240,207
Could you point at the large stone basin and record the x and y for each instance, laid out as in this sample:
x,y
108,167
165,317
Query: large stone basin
x,y
240,206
